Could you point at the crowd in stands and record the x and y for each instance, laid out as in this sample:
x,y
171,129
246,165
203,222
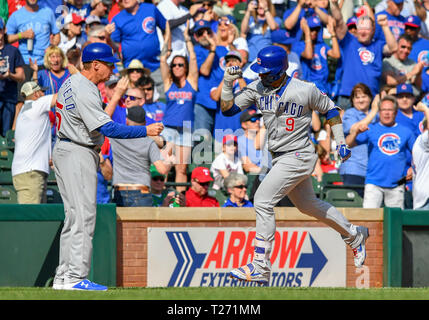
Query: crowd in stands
x,y
371,58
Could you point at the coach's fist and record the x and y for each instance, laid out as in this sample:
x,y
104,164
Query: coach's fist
x,y
344,152
154,129
231,74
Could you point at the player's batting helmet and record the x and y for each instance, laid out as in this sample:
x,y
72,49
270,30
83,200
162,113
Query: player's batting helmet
x,y
272,60
98,51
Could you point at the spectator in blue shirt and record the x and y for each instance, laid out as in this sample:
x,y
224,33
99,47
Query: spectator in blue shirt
x,y
362,55
135,30
353,171
420,48
11,72
388,143
236,184
394,18
80,8
154,109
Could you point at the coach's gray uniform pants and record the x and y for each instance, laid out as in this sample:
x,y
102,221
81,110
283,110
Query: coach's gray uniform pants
x,y
76,172
291,175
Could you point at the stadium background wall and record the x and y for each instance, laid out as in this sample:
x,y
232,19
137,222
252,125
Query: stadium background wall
x,y
132,227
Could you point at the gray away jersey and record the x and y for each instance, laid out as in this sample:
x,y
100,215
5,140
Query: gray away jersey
x,y
79,111
286,112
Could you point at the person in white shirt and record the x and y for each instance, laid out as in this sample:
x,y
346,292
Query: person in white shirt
x,y
32,154
226,162
421,164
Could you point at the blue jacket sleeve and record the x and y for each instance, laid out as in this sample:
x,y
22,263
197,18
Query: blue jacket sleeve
x,y
120,131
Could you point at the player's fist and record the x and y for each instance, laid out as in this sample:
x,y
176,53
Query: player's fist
x,y
344,152
231,74
154,129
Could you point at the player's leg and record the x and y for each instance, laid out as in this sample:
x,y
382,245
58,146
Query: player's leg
x,y
304,198
286,172
59,156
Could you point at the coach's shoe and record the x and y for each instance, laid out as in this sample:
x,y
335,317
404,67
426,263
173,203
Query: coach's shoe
x,y
358,245
84,285
252,273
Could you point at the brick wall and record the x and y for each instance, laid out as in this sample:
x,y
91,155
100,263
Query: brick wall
x,y
132,227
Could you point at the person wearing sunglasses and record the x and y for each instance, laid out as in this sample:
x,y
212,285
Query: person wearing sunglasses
x,y
197,195
399,68
181,84
236,184
161,196
155,109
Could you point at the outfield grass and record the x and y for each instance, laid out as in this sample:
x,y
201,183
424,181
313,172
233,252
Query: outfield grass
x,y
260,293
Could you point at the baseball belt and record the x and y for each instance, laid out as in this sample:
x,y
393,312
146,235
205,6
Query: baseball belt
x,y
143,189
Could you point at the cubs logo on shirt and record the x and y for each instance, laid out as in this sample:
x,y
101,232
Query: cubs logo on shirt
x,y
148,25
366,56
389,143
423,56
316,64
222,63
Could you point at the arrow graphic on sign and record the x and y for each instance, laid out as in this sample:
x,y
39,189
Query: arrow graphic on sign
x,y
315,260
188,260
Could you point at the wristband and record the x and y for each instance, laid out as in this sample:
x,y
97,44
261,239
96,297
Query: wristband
x,y
19,35
226,93
212,51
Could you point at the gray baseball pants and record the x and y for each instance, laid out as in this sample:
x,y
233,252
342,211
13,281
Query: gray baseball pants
x,y
76,172
291,175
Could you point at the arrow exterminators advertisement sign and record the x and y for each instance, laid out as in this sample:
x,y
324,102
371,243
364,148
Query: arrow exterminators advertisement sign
x,y
300,257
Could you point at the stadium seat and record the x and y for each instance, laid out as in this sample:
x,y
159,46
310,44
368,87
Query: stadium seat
x,y
221,196
53,194
6,177
52,179
6,157
331,178
343,198
8,195
10,138
317,186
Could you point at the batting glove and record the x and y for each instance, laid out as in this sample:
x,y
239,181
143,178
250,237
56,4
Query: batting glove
x,y
344,152
231,74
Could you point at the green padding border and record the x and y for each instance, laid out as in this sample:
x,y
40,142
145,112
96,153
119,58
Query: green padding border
x,y
394,220
103,268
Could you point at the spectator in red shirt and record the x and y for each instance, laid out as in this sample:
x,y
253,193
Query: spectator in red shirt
x,y
197,194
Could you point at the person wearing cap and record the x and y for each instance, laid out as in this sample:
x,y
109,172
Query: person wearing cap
x,y
388,143
32,153
281,38
407,115
224,123
135,30
155,109
209,55
395,19
257,24
90,21
314,54
408,8
132,159
71,33
420,48
197,195
251,157
362,54
226,162
399,68
81,130
161,196
11,73
236,185
351,25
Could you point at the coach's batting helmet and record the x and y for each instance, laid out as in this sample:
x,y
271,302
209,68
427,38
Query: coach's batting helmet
x,y
272,60
98,51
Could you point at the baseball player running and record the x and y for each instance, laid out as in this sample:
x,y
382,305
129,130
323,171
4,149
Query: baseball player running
x,y
81,124
286,105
